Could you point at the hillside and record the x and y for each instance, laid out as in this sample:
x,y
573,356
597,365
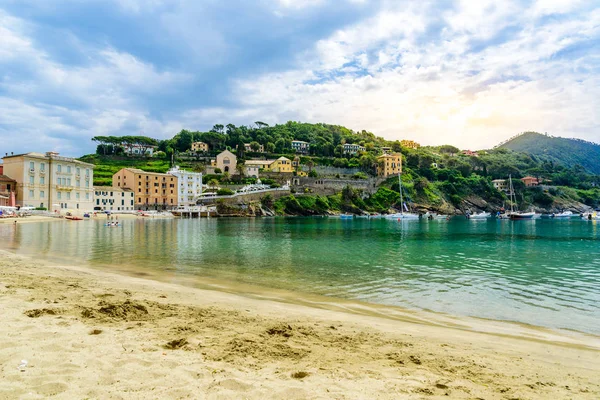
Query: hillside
x,y
568,152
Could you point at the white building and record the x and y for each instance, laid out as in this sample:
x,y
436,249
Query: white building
x,y
300,147
113,199
51,181
189,186
351,148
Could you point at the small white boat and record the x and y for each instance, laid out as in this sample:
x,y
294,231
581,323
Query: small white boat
x,y
481,215
346,216
516,215
400,216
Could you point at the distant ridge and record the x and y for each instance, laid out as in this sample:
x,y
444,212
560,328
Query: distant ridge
x,y
569,152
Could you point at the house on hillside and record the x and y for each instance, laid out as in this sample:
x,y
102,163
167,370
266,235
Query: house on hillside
x,y
351,148
248,148
300,147
530,181
389,164
199,147
470,153
280,165
138,150
501,185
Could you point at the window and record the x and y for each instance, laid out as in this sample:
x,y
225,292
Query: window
x,y
87,184
68,181
77,195
58,168
42,194
68,169
42,166
42,180
87,196
77,183
31,165
87,172
68,195
77,171
31,180
58,195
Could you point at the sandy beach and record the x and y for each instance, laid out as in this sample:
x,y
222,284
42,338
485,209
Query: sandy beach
x,y
86,333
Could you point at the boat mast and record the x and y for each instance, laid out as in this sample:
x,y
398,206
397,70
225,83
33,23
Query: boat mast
x,y
400,188
512,195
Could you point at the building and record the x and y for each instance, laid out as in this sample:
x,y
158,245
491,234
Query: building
x,y
251,170
389,164
350,148
248,148
530,181
300,147
51,181
226,161
501,185
470,153
281,165
199,147
8,187
152,190
138,150
113,199
189,186
410,144
386,150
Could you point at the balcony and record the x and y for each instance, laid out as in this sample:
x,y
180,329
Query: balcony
x,y
63,188
32,170
42,172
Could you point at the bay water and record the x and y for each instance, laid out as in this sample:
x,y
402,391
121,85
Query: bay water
x,y
540,272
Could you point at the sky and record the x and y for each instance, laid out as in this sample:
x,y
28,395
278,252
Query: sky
x,y
466,73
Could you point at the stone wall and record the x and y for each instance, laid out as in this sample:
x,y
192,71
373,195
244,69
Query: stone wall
x,y
325,186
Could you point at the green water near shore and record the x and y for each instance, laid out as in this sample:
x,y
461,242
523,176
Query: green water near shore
x,y
544,273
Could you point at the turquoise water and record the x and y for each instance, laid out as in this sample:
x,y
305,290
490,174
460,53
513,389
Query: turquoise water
x,y
541,272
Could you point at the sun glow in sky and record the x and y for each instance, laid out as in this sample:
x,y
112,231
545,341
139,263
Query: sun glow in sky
x,y
467,73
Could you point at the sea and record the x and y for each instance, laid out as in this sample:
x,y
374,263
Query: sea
x,y
544,273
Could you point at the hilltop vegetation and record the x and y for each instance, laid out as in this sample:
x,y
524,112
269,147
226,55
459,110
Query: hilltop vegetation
x,y
440,178
567,152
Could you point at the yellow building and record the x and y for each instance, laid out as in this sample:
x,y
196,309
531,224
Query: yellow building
x,y
282,164
51,181
151,189
199,147
410,144
389,164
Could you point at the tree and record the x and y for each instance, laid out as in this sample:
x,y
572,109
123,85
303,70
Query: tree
x,y
218,128
213,183
255,146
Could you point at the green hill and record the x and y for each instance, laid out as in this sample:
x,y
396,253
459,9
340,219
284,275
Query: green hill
x,y
568,152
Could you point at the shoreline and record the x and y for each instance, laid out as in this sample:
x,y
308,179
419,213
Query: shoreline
x,y
161,339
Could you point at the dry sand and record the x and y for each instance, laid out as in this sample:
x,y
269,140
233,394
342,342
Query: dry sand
x,y
92,334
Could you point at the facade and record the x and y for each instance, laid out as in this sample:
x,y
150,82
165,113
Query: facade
x,y
8,187
248,148
350,148
501,185
389,164
113,199
410,144
137,150
199,147
300,147
251,170
281,165
51,181
530,181
152,190
226,161
189,186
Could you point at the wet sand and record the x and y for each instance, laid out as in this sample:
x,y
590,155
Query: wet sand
x,y
92,334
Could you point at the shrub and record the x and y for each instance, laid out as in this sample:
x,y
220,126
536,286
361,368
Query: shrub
x,y
224,192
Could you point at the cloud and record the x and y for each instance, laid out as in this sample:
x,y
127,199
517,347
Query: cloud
x,y
465,73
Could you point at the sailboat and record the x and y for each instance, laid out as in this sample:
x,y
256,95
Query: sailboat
x,y
513,200
402,215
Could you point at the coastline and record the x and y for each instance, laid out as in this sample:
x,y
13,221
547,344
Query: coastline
x,y
161,339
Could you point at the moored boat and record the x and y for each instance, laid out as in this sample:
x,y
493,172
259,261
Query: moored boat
x,y
516,215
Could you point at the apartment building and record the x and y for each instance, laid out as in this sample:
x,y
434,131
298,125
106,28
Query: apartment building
x,y
51,181
281,165
300,147
7,190
351,148
248,148
389,164
152,190
189,186
113,199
